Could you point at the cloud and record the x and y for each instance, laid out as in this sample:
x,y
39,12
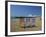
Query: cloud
x,y
30,15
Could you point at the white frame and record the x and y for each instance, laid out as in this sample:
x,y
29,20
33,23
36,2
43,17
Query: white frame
x,y
25,32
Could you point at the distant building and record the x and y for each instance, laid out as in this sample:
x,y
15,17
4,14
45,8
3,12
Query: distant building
x,y
29,21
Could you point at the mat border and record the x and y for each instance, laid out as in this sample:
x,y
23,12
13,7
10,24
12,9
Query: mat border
x,y
6,18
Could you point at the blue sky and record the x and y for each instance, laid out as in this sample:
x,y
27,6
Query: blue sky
x,y
22,10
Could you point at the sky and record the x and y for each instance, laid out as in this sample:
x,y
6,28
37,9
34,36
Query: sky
x,y
23,10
